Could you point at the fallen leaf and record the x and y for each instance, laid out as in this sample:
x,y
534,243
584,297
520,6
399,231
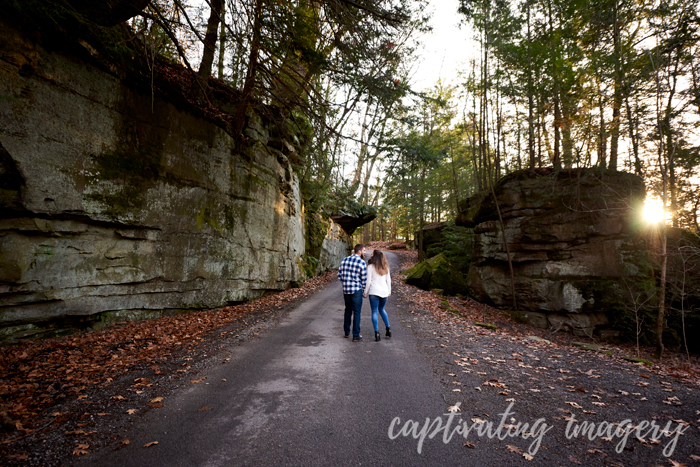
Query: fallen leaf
x,y
102,414
119,398
677,464
156,399
131,411
148,445
75,432
454,408
125,442
514,449
156,406
469,445
204,409
574,404
195,381
527,456
81,449
574,460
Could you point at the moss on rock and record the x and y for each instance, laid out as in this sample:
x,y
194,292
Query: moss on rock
x,y
437,273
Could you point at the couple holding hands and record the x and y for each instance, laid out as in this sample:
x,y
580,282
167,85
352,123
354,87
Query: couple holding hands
x,y
370,280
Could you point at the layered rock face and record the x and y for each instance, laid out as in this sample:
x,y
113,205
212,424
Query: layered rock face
x,y
574,239
336,246
114,202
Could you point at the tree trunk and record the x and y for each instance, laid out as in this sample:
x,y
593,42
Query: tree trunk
x,y
661,316
455,187
632,124
249,86
204,71
556,160
617,95
421,256
222,40
602,137
530,96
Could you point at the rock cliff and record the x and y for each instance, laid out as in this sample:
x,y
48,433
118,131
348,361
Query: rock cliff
x,y
115,202
574,238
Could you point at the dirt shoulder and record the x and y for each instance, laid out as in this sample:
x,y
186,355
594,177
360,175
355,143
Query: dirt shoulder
x,y
543,376
61,397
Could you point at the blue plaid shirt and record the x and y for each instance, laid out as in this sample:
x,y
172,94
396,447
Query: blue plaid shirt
x,y
352,274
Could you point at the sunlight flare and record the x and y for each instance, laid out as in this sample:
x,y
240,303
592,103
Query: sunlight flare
x,y
653,210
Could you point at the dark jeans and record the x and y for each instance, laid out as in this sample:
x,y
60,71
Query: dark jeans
x,y
353,308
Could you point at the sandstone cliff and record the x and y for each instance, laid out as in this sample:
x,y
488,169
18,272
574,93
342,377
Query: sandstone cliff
x,y
118,203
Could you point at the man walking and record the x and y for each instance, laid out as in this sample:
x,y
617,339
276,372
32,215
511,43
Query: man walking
x,y
353,275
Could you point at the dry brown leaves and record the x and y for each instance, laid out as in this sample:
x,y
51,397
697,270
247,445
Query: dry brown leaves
x,y
36,374
464,311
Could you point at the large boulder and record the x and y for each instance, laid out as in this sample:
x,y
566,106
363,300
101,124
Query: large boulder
x,y
437,273
454,241
575,239
432,235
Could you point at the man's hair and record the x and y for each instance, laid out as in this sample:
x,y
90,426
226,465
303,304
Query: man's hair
x,y
358,247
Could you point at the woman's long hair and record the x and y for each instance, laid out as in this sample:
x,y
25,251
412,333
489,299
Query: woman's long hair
x,y
378,260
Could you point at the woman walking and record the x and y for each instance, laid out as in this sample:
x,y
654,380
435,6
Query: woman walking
x,y
378,289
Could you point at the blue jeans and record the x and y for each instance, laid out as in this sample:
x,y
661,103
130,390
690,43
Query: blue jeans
x,y
353,309
377,303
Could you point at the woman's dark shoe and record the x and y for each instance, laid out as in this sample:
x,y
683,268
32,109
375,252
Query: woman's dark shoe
x,y
388,332
377,337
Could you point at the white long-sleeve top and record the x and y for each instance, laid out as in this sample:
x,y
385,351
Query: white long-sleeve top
x,y
376,284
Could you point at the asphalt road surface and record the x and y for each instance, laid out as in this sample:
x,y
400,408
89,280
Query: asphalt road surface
x,y
301,394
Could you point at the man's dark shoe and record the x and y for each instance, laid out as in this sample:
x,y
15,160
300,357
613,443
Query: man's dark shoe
x,y
388,332
357,339
346,335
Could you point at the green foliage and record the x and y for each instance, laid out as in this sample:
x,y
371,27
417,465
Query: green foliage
x,y
310,265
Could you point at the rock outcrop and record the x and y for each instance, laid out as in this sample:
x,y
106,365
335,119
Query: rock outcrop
x,y
437,273
432,235
117,203
574,239
353,216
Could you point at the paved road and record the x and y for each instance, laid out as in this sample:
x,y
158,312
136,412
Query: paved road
x,y
300,394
